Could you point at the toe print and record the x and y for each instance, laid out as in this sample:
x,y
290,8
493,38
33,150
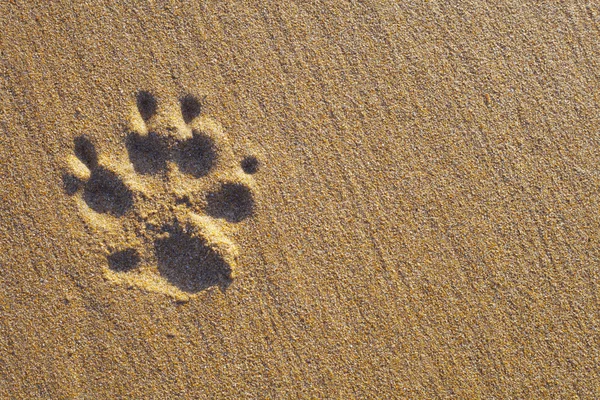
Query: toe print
x,y
250,165
148,153
106,193
167,205
196,156
232,202
103,190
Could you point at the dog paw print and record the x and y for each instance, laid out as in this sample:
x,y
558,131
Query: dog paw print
x,y
167,206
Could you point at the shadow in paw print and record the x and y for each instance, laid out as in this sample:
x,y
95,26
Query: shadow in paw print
x,y
104,191
189,264
148,154
250,165
190,108
124,260
85,151
146,104
233,201
70,184
196,156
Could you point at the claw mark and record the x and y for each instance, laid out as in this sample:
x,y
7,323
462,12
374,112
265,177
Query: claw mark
x,y
146,104
190,108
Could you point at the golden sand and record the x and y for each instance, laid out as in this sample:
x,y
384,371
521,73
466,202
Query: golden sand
x,y
299,199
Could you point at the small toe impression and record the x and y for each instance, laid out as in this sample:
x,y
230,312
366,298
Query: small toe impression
x,y
233,202
250,165
190,108
124,260
148,154
196,156
146,104
189,264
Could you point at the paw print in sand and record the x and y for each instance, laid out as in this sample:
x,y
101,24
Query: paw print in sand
x,y
167,207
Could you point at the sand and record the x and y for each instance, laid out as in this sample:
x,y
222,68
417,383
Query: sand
x,y
299,199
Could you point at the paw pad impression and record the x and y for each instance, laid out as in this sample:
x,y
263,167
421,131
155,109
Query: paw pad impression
x,y
166,207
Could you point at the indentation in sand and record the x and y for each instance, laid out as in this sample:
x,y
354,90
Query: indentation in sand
x,y
167,207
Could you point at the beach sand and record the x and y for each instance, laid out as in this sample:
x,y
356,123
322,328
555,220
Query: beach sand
x,y
299,199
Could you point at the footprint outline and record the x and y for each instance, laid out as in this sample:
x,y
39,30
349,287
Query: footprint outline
x,y
186,205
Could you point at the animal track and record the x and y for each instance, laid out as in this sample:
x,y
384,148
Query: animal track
x,y
166,208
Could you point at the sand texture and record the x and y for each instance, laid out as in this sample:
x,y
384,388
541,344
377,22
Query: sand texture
x,y
373,199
